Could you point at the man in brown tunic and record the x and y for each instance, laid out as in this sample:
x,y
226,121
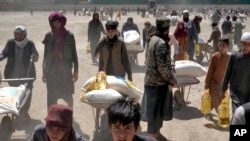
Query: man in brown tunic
x,y
216,72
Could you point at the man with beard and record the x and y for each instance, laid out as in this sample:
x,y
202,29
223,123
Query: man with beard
x,y
95,28
192,34
19,52
157,98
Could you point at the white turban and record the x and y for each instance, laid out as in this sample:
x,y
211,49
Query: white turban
x,y
20,29
245,37
185,11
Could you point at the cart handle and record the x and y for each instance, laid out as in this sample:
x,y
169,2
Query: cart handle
x,y
17,79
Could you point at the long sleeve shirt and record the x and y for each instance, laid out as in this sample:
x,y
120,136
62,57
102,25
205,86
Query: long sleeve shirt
x,y
158,63
216,69
113,59
238,77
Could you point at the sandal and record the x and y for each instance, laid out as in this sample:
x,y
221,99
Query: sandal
x,y
209,117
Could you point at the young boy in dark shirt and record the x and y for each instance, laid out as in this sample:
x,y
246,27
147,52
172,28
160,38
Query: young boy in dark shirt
x,y
124,120
238,74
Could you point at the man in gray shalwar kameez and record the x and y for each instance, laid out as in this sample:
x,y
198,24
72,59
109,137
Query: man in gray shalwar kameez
x,y
192,34
95,28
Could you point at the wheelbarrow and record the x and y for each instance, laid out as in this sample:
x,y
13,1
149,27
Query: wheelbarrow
x,y
133,51
182,83
11,102
101,131
202,50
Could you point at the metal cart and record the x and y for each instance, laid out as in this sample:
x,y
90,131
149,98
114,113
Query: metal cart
x,y
182,83
133,51
7,126
101,132
97,108
204,51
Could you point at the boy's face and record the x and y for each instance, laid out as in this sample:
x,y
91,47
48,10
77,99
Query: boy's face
x,y
55,133
111,33
123,132
147,26
222,47
245,48
57,24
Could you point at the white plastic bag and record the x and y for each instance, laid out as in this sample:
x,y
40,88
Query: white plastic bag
x,y
119,84
131,37
11,99
100,96
189,68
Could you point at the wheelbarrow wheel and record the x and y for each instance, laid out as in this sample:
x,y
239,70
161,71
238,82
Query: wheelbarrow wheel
x,y
6,128
199,58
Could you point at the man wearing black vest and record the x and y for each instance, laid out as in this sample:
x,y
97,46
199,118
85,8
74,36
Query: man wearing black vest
x,y
21,54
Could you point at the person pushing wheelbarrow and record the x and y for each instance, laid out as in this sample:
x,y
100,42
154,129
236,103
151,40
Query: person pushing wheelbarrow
x,y
21,54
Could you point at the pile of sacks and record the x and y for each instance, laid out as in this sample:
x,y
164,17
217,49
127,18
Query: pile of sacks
x,y
104,88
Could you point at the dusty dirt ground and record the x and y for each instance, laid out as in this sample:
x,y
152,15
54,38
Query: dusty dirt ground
x,y
188,124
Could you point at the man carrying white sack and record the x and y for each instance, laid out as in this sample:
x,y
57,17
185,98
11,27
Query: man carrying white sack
x,y
238,74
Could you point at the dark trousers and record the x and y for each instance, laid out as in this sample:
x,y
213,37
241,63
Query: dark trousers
x,y
60,86
156,106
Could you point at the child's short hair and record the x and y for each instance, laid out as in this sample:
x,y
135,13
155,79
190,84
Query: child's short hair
x,y
225,40
124,111
214,24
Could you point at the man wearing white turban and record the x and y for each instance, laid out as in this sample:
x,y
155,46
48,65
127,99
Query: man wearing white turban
x,y
192,34
238,74
19,51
